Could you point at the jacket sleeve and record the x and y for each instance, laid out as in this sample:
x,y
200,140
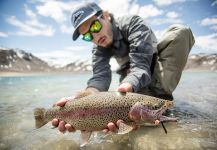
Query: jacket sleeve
x,y
140,54
101,78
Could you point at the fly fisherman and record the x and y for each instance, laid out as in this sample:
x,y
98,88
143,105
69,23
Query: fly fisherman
x,y
146,66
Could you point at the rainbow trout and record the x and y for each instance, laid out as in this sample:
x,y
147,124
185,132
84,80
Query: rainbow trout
x,y
93,112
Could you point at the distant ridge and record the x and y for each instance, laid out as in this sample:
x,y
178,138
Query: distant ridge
x,y
202,62
16,60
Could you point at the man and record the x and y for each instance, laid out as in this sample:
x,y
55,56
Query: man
x,y
146,66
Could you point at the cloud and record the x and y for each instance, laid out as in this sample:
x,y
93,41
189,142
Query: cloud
x,y
214,3
30,27
61,11
80,48
167,2
214,27
58,57
212,22
66,55
33,20
209,21
66,29
160,21
207,42
2,34
123,7
159,33
172,14
119,9
57,9
149,11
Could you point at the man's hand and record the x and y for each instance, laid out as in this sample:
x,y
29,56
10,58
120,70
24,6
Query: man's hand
x,y
125,87
63,126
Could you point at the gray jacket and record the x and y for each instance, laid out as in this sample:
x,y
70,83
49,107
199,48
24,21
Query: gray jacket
x,y
134,43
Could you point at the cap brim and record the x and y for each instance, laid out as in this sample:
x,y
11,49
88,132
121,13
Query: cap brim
x,y
76,33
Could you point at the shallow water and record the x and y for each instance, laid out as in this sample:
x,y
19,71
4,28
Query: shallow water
x,y
195,106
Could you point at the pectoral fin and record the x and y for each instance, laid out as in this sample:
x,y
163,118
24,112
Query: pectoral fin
x,y
126,128
85,136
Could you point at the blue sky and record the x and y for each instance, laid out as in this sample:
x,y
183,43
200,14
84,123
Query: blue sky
x,y
44,29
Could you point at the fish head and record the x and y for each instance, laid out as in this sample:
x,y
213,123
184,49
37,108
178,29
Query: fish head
x,y
166,105
141,112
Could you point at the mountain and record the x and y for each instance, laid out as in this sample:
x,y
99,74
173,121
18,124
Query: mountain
x,y
15,60
202,62
78,66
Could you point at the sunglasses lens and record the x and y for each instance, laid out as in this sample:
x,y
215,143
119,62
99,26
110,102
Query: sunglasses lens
x,y
96,27
88,37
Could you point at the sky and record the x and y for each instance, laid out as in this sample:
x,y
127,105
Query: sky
x,y
43,27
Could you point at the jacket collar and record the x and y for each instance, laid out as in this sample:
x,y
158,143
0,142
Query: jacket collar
x,y
117,36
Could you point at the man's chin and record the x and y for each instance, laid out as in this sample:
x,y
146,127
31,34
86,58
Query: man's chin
x,y
106,44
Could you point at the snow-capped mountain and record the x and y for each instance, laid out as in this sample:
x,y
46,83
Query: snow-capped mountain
x,y
16,60
202,62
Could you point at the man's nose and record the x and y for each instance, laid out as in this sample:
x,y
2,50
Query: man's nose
x,y
96,37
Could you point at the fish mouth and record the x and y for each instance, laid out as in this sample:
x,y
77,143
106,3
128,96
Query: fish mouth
x,y
163,109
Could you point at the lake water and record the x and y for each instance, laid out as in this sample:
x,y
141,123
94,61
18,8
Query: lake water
x,y
195,106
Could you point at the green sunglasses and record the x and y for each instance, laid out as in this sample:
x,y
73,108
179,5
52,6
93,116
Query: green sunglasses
x,y
95,27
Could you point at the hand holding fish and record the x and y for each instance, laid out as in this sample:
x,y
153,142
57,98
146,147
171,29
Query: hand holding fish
x,y
63,126
125,87
96,112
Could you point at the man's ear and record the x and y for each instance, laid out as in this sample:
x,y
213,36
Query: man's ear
x,y
106,15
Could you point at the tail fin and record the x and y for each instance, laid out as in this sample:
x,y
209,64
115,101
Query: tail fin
x,y
39,117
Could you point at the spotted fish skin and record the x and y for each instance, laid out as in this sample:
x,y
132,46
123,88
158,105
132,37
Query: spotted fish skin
x,y
94,112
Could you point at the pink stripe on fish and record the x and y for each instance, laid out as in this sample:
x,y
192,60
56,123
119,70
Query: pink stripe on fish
x,y
84,113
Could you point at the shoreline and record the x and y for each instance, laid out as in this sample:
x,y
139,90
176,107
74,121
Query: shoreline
x,y
20,74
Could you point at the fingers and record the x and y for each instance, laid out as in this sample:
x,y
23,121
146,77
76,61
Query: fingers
x,y
55,122
112,127
61,126
125,87
157,122
119,121
122,89
69,128
63,101
105,131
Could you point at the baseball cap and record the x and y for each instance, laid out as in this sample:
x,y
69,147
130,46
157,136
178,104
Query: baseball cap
x,y
81,14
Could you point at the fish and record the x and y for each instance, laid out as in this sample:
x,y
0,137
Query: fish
x,y
92,112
